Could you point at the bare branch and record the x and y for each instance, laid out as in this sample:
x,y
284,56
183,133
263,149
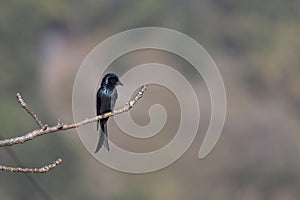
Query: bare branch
x,y
32,114
61,126
32,170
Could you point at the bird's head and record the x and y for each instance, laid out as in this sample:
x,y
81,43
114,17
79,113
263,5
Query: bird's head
x,y
111,79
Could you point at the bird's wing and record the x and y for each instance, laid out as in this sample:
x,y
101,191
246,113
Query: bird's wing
x,y
106,97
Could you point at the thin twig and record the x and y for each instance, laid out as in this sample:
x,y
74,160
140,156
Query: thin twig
x,y
60,126
29,111
36,185
32,170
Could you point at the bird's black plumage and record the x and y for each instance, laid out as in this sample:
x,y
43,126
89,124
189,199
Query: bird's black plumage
x,y
106,98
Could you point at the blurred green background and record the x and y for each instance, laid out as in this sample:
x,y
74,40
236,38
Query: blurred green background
x,y
256,46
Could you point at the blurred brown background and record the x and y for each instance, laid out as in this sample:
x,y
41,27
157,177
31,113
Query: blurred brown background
x,y
256,46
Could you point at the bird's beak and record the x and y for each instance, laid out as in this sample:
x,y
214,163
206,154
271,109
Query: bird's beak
x,y
120,83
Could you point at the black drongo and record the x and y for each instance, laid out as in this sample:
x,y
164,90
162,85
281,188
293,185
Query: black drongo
x,y
106,99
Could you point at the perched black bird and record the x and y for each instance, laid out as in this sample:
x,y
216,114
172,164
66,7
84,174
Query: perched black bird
x,y
106,99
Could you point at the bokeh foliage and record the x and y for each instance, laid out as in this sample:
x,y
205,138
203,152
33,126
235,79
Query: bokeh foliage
x,y
261,38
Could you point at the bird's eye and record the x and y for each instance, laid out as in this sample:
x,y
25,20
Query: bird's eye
x,y
113,81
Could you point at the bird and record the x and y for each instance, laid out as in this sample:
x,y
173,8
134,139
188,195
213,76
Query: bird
x,y
105,102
